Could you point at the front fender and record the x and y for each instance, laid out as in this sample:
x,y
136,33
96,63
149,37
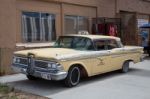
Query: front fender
x,y
67,66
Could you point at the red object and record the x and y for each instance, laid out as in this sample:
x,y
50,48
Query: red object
x,y
101,28
112,30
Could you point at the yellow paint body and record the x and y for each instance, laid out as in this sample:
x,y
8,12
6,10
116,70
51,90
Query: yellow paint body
x,y
94,64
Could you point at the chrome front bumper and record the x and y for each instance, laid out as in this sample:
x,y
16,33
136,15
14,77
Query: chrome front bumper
x,y
41,74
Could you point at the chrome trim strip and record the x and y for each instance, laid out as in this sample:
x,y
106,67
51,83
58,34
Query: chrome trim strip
x,y
21,64
44,61
109,53
44,69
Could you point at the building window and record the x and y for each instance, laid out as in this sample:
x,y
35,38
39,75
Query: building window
x,y
38,27
74,24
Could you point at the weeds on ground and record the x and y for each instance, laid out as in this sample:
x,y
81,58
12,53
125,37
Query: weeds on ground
x,y
4,89
6,92
9,93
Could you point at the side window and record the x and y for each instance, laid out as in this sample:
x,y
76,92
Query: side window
x,y
112,44
82,43
79,42
66,42
63,42
100,45
89,45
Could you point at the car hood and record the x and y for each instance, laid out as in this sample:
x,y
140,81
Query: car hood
x,y
49,53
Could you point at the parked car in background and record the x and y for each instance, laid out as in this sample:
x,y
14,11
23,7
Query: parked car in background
x,y
76,56
145,34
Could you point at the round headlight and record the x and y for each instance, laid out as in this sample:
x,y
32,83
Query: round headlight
x,y
54,66
17,60
49,65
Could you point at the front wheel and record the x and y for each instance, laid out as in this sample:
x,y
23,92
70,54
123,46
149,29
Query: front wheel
x,y
125,67
73,77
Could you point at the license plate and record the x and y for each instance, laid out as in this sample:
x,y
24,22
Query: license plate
x,y
44,76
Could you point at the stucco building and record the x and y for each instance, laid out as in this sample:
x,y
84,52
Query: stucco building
x,y
40,21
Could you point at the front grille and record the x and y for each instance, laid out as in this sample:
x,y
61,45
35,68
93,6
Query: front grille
x,y
23,61
36,63
41,64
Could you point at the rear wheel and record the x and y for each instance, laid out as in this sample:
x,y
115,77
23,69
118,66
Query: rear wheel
x,y
31,77
73,77
125,67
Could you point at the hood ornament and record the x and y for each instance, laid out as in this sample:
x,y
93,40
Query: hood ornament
x,y
31,55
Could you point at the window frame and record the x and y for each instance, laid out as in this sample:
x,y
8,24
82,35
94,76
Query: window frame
x,y
72,42
97,40
106,42
77,18
52,33
116,43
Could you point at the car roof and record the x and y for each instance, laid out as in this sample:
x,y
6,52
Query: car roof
x,y
93,37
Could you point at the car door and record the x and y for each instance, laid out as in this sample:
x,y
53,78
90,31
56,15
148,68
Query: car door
x,y
116,53
101,58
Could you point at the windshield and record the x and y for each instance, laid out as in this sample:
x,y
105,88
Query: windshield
x,y
73,42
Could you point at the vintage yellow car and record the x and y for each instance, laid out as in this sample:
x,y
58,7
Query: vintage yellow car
x,y
76,56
